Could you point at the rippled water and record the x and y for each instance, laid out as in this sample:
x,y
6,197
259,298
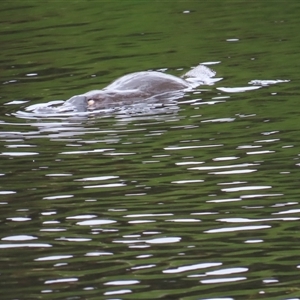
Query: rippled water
x,y
196,201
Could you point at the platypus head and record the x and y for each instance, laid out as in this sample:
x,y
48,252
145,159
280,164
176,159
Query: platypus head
x,y
98,100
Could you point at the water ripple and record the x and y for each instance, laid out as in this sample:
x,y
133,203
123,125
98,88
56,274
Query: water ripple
x,y
53,257
192,267
222,280
118,292
33,245
122,282
60,280
19,238
95,222
238,228
245,188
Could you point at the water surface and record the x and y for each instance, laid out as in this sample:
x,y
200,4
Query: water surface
x,y
198,201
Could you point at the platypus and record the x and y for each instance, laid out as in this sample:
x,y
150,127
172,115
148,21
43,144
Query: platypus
x,y
135,88
147,86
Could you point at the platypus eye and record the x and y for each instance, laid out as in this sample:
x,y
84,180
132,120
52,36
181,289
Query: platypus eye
x,y
91,102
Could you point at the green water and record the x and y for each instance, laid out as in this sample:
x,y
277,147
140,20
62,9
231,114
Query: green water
x,y
199,202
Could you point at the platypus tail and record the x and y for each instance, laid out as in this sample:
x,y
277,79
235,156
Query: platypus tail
x,y
201,75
